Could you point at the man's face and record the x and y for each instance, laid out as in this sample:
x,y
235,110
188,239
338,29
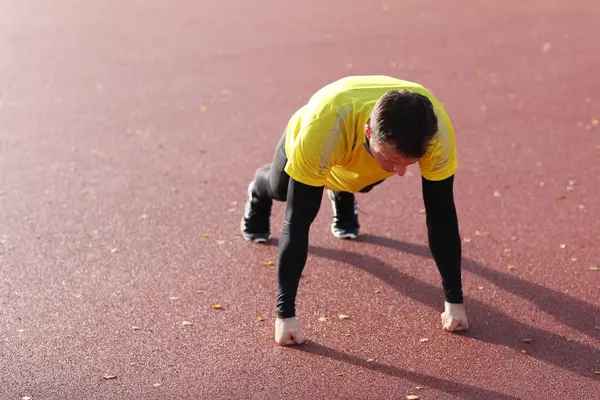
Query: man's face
x,y
388,158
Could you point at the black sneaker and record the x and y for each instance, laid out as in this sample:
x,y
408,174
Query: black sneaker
x,y
255,225
345,216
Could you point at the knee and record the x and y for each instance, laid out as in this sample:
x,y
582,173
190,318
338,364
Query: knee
x,y
279,194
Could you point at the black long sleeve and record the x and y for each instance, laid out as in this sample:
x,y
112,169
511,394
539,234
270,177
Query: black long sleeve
x,y
443,235
303,204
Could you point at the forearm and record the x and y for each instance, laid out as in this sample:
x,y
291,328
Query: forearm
x,y
445,245
293,251
444,236
302,206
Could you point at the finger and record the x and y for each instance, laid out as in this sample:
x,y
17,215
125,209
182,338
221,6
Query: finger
x,y
459,327
285,341
298,337
451,325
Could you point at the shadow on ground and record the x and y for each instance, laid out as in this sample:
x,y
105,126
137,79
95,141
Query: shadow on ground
x,y
430,382
488,323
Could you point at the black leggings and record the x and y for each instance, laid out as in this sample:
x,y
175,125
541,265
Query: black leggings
x,y
271,181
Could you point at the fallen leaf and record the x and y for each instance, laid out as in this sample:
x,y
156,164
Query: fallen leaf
x,y
377,291
186,323
524,351
562,246
480,287
217,306
573,259
496,193
344,316
173,298
570,188
200,291
424,340
511,267
203,109
270,337
507,250
595,122
483,233
322,319
467,240
597,371
413,397
157,384
136,328
269,262
560,196
595,267
220,242
370,359
205,235
107,376
513,238
420,387
114,250
581,207
260,319
527,340
572,183
546,47
541,184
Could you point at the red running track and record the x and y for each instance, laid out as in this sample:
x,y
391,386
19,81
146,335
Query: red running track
x,y
129,131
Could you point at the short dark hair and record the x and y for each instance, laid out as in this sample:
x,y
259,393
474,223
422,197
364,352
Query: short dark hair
x,y
405,121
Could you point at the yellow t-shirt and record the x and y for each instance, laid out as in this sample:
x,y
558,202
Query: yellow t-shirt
x,y
325,139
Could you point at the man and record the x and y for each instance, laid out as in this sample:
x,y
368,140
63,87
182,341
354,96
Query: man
x,y
350,136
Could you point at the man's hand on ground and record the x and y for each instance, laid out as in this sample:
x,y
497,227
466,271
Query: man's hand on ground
x,y
288,332
454,317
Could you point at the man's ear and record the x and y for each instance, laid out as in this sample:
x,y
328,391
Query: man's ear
x,y
368,130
